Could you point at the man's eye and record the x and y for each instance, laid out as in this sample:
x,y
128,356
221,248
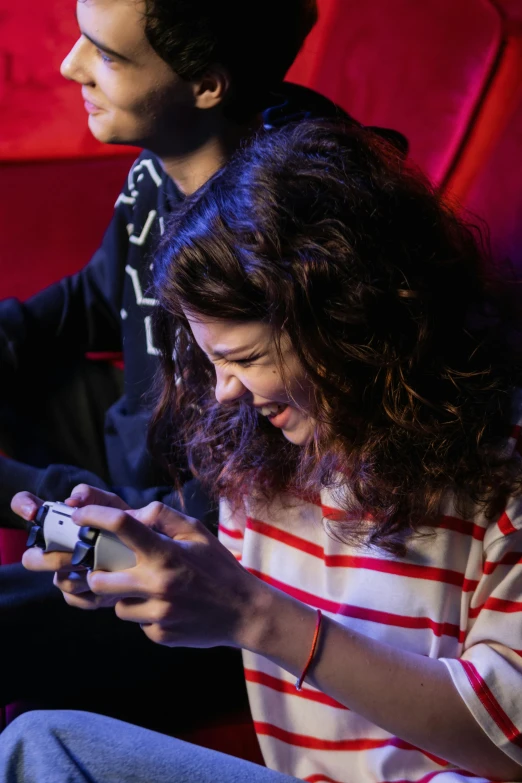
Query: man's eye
x,y
104,57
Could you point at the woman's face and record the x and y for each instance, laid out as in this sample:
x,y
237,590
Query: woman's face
x,y
245,358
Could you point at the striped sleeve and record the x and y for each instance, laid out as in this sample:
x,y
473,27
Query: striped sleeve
x,y
488,675
232,524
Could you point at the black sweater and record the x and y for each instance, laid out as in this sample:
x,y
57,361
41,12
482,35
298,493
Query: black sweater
x,y
107,307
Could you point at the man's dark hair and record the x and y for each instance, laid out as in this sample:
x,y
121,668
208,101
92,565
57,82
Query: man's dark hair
x,y
256,41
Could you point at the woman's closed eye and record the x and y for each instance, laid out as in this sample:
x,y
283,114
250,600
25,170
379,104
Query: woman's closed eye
x,y
247,361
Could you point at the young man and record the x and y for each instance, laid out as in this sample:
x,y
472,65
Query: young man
x,y
188,81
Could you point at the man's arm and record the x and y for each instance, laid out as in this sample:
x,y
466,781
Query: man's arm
x,y
77,314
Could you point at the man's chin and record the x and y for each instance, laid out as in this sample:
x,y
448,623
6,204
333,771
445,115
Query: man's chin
x,y
104,133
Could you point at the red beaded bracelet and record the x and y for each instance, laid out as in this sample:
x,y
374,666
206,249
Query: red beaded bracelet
x,y
300,680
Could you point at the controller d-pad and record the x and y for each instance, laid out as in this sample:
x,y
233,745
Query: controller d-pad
x,y
36,537
41,514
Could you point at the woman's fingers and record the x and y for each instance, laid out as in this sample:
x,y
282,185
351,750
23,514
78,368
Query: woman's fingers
x,y
77,593
134,534
35,559
170,522
87,601
144,613
117,584
25,505
72,582
85,495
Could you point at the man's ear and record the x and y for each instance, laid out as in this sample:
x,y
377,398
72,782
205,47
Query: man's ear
x,y
211,89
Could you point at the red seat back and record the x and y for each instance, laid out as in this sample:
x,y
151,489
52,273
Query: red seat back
x,y
449,76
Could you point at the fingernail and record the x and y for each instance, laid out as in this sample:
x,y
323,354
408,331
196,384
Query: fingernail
x,y
76,499
28,510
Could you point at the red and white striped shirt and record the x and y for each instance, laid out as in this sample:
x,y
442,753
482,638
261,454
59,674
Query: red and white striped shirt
x,y
456,596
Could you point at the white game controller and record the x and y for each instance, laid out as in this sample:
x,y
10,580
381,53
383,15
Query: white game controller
x,y
54,531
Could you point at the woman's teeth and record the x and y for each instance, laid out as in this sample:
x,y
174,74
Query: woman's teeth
x,y
271,410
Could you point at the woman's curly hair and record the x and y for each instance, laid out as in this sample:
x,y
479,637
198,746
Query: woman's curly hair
x,y
323,231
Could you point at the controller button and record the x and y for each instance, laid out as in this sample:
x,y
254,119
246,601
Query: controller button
x,y
36,537
83,554
88,534
41,514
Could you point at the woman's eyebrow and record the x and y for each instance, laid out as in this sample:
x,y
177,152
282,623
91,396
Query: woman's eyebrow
x,y
229,351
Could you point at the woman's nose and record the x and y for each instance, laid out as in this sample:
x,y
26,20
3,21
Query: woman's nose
x,y
228,387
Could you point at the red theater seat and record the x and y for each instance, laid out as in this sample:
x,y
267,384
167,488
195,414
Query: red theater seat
x,y
53,216
449,76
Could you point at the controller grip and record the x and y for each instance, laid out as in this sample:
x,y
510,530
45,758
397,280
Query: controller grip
x,y
55,531
110,554
101,551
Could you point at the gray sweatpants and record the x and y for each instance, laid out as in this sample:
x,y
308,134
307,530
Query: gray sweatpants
x,y
79,747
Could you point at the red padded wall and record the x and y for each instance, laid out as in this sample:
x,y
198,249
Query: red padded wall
x,y
449,76
496,194
54,217
420,67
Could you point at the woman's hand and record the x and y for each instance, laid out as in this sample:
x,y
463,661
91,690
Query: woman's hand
x,y
72,582
186,588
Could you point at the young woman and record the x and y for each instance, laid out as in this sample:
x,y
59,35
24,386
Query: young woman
x,y
339,372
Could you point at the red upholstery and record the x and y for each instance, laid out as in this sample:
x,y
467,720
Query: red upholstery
x,y
12,545
403,64
54,217
496,192
446,74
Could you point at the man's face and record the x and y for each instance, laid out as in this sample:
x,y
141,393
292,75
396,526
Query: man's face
x,y
131,95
